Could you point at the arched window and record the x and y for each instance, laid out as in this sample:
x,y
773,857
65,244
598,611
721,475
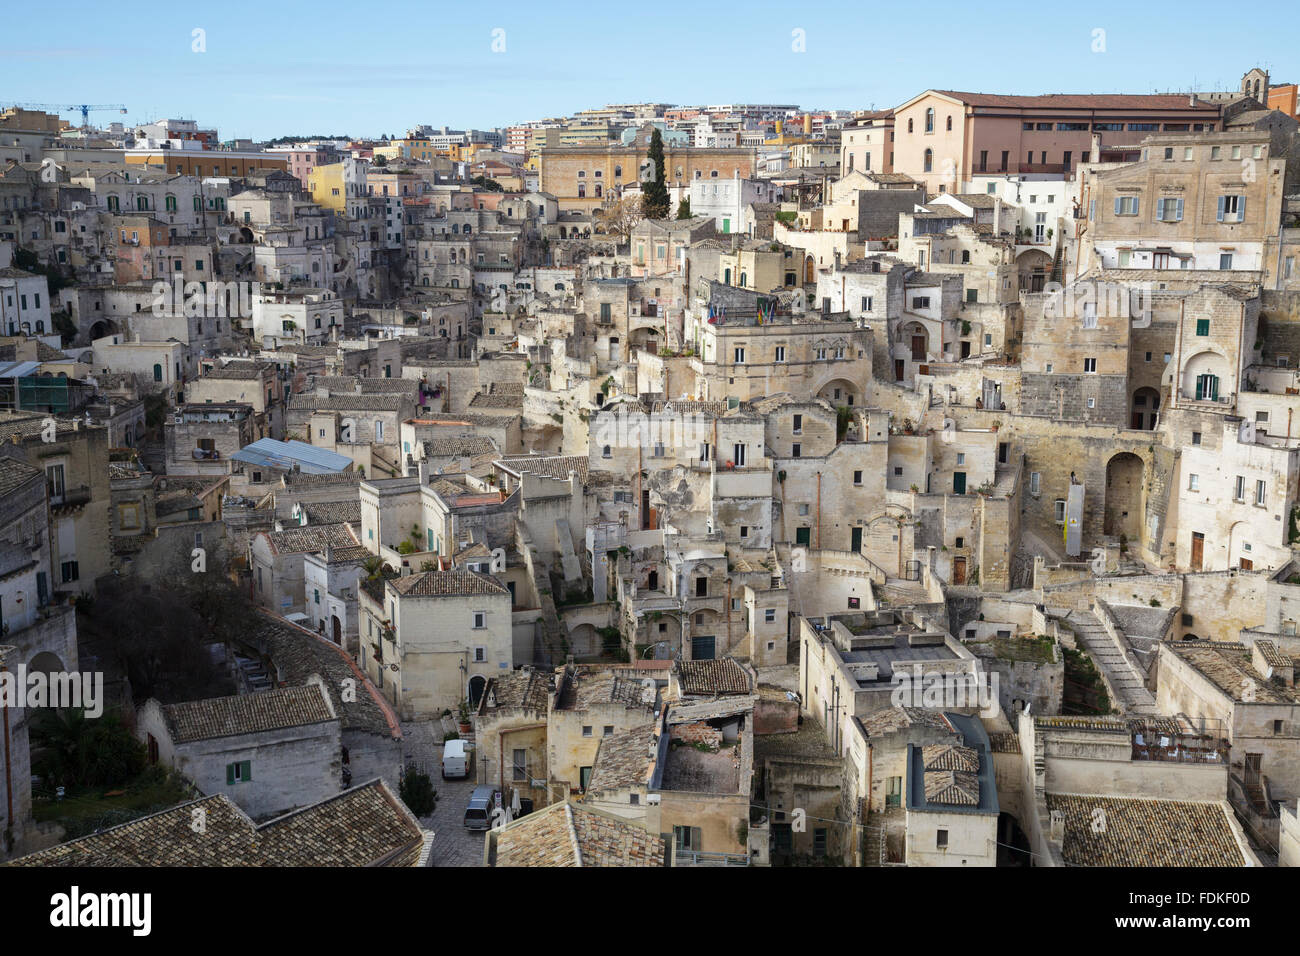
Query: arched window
x,y
618,172
850,169
157,372
950,123
197,203
142,203
170,203
929,120
909,124
597,190
582,190
929,159
596,174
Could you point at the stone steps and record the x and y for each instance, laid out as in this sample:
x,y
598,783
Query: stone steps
x,y
1128,683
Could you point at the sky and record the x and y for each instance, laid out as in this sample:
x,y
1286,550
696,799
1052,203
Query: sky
x,y
261,70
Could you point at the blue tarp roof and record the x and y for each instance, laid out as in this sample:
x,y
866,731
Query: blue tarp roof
x,y
285,454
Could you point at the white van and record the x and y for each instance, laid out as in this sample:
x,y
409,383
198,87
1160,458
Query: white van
x,y
455,760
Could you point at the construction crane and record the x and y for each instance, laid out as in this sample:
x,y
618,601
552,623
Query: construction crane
x,y
85,108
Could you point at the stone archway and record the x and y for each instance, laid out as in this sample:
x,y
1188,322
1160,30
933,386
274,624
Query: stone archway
x,y
1124,473
474,691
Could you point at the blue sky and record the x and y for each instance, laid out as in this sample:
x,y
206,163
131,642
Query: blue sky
x,y
365,69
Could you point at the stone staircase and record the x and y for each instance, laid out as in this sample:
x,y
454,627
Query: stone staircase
x,y
899,592
1123,676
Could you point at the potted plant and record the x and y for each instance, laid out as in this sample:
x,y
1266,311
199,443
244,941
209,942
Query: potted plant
x,y
462,717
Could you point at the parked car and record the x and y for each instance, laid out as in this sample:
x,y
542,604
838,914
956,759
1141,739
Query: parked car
x,y
482,803
455,760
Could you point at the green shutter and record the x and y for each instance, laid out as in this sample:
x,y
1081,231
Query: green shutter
x,y
247,767
230,773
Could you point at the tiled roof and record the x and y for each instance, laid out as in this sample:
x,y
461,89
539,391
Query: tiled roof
x,y
246,713
300,655
583,687
364,826
723,676
622,761
1082,101
446,584
549,466
952,787
485,400
310,538
1229,668
468,445
527,689
333,512
14,474
950,757
344,401
572,835
1139,832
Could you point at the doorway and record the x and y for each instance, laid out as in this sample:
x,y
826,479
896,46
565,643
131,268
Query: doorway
x,y
958,570
1198,550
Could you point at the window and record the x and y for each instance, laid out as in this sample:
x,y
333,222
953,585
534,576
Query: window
x,y
1169,210
480,620
1090,365
769,615
1260,488
1127,205
1196,438
857,477
779,355
54,483
740,355
608,730
480,655
941,839
686,839
1202,326
1193,482
239,772
1225,260
586,730
795,450
798,424
519,765
1058,509
1232,208
1035,482
1239,489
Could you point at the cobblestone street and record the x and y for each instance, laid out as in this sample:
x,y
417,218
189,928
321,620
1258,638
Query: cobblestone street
x,y
453,845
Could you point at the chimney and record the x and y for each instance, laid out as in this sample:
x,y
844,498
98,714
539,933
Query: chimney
x,y
997,216
1191,99
1095,155
1057,825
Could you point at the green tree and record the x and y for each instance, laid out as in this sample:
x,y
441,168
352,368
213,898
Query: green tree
x,y
684,208
416,791
654,193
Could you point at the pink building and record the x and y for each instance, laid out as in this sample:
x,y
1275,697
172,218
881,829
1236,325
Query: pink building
x,y
942,137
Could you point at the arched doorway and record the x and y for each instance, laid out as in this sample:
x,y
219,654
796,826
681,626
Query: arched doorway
x,y
809,271
336,629
1144,409
477,684
1124,496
